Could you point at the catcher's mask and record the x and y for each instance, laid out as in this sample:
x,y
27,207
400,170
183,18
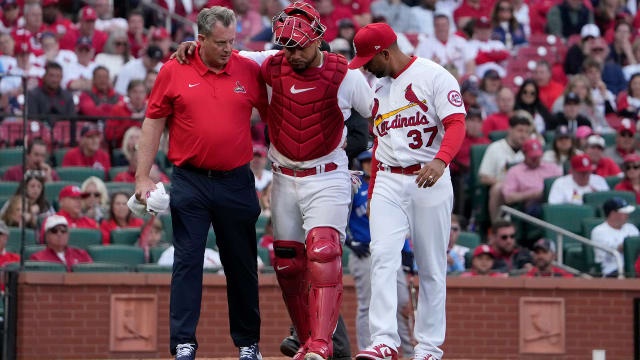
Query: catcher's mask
x,y
297,25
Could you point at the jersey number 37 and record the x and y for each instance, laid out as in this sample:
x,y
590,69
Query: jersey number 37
x,y
416,136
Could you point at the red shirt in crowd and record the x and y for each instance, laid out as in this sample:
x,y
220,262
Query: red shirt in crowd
x,y
607,167
463,158
466,10
114,129
98,39
14,173
625,185
555,272
136,47
331,22
72,256
549,93
355,7
8,257
87,105
60,27
82,222
107,225
99,160
495,122
187,95
32,39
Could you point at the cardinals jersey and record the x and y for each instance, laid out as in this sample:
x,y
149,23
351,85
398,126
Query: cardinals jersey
x,y
408,111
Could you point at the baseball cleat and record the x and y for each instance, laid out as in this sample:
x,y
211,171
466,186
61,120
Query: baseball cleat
x,y
186,352
300,354
317,350
378,352
250,352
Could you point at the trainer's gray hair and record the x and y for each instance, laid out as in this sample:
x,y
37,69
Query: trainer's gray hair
x,y
207,19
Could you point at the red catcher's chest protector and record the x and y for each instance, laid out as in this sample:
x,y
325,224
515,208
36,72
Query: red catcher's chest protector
x,y
305,121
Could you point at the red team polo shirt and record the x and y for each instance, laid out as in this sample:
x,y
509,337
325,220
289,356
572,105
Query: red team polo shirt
x,y
208,114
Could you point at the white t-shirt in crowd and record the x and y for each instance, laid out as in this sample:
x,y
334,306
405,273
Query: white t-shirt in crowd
x,y
498,157
263,181
606,235
211,258
133,70
455,51
565,190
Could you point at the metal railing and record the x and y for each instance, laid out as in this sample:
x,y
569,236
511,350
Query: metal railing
x,y
560,232
170,16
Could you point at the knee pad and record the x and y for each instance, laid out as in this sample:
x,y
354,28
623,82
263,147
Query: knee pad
x,y
324,254
290,258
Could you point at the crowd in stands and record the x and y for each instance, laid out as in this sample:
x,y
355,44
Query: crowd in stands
x,y
551,89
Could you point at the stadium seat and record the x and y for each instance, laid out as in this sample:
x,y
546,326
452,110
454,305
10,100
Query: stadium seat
x,y
211,240
52,189
4,169
78,173
8,188
263,253
568,217
575,258
497,135
11,156
31,249
634,217
479,194
127,236
83,238
58,155
612,181
589,223
44,266
547,187
15,234
631,247
126,187
153,268
597,199
155,253
101,267
549,136
468,239
120,254
609,139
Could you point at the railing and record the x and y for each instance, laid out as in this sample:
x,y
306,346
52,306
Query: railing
x,y
560,232
169,15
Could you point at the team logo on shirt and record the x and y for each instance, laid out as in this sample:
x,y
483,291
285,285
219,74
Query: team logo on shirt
x,y
413,98
399,122
239,88
454,98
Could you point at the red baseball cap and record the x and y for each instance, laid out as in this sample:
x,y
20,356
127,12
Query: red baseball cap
x,y
88,14
159,34
627,125
72,191
260,150
532,147
49,2
483,23
631,158
371,40
581,163
482,249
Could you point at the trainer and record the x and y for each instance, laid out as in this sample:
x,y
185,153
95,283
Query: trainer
x,y
207,106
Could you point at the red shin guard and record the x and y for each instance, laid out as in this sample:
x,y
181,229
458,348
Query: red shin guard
x,y
290,267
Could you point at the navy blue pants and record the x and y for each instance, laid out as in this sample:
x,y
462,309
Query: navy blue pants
x,y
227,200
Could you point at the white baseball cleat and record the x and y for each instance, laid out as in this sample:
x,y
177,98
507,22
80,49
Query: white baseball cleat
x,y
378,352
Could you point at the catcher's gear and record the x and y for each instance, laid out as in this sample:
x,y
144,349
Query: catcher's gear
x,y
297,25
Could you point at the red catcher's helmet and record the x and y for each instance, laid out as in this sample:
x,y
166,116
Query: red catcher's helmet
x,y
297,25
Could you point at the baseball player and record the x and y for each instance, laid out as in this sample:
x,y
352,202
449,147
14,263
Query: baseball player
x,y
311,94
418,120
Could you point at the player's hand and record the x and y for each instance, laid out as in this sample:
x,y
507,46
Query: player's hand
x,y
144,185
185,50
430,173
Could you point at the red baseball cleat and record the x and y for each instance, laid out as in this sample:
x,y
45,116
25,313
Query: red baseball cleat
x,y
300,353
378,352
317,350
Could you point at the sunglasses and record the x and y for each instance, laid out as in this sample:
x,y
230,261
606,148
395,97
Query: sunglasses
x,y
61,230
626,134
96,194
633,167
507,236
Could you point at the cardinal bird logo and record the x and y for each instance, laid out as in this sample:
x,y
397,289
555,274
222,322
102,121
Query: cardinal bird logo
x,y
239,88
413,98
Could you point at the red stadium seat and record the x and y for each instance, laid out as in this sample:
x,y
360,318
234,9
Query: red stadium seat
x,y
11,132
62,132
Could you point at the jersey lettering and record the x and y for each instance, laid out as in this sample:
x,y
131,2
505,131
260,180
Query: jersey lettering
x,y
417,137
401,122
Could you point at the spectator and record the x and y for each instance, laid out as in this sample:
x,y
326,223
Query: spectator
x,y
489,87
211,258
607,12
621,51
631,181
32,29
570,117
50,98
56,233
582,134
14,216
505,25
603,99
446,48
77,76
399,16
604,166
482,262
12,85
563,147
521,12
470,10
152,236
137,40
579,84
52,52
70,200
499,156
88,152
424,12
508,256
37,205
612,74
86,28
116,53
578,52
149,80
455,253
265,201
96,204
249,21
524,182
105,21
528,99
569,189
347,30
53,19
270,9
625,142
5,256
330,16
258,163
568,18
544,253
129,143
130,152
549,90
7,59
101,99
342,47
136,69
488,53
10,16
360,9
135,105
35,161
470,92
612,232
499,120
631,68
629,101
120,217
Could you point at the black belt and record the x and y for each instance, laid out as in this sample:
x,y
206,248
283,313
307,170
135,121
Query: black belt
x,y
214,173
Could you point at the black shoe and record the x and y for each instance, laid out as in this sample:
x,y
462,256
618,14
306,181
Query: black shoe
x,y
290,345
186,352
250,352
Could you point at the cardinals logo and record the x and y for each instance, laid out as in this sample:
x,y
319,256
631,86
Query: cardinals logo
x,y
239,88
413,98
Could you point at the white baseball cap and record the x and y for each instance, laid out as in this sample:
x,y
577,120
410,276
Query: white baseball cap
x,y
590,30
596,140
53,221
